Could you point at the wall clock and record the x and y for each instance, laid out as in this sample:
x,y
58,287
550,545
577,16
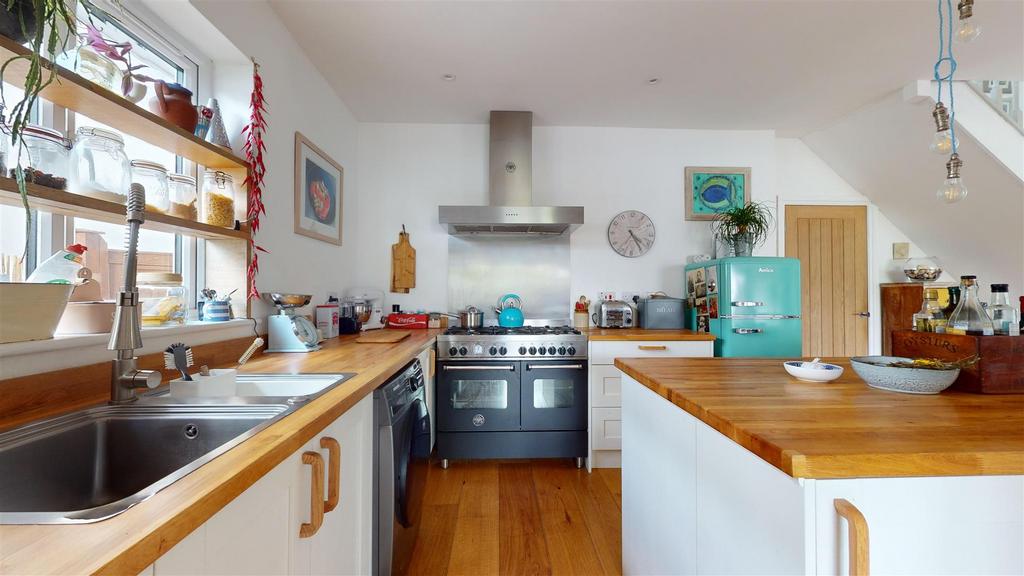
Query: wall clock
x,y
631,233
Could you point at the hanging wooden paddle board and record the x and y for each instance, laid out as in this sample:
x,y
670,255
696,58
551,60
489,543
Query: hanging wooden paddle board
x,y
403,264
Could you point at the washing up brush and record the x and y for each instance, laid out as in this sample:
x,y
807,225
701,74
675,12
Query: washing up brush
x,y
179,357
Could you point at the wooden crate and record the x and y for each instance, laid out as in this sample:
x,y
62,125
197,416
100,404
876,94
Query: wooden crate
x,y
1000,371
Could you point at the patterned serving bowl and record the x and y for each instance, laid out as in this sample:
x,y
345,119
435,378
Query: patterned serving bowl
x,y
875,371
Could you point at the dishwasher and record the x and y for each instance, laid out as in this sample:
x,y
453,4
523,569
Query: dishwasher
x,y
401,450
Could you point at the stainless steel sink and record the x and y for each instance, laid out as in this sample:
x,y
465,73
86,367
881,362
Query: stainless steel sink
x,y
97,463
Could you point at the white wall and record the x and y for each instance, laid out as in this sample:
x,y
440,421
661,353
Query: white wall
x,y
300,99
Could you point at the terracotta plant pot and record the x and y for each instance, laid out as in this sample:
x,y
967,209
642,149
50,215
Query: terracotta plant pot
x,y
173,102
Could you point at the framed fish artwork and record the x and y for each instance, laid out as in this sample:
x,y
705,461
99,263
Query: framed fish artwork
x,y
319,192
710,190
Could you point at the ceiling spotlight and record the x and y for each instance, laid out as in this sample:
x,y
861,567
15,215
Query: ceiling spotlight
x,y
448,77
653,81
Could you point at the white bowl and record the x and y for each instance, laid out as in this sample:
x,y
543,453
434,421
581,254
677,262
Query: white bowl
x,y
906,380
813,371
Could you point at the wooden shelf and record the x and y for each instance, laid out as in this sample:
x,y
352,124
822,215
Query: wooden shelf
x,y
76,93
62,202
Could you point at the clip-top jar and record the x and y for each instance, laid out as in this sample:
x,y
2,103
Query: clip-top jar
x,y
162,298
153,178
219,199
183,197
47,157
99,166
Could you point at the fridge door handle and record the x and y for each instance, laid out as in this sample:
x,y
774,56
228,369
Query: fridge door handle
x,y
747,303
748,330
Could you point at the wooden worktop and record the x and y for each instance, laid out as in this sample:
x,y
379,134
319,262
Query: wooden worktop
x,y
842,429
131,541
640,334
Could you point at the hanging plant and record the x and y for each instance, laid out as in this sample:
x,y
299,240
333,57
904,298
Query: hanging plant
x,y
254,149
47,25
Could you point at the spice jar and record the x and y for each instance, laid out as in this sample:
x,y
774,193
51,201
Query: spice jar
x,y
183,197
47,157
219,199
162,298
152,177
99,166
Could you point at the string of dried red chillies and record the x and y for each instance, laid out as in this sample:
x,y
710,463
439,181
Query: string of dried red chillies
x,y
254,150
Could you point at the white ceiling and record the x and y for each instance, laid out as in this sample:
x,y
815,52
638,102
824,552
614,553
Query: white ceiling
x,y
793,66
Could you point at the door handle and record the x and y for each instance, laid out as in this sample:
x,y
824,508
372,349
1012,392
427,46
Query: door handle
x,y
650,348
509,367
747,303
316,494
554,366
748,330
863,314
333,472
858,541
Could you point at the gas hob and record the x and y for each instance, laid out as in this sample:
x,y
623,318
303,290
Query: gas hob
x,y
497,343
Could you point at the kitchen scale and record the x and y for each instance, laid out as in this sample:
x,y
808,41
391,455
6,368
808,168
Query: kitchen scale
x,y
289,331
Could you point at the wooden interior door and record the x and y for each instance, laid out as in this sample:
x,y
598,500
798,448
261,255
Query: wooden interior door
x,y
831,243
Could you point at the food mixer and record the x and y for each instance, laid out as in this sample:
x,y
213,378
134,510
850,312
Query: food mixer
x,y
288,331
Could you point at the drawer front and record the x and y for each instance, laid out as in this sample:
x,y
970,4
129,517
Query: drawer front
x,y
604,352
605,386
606,428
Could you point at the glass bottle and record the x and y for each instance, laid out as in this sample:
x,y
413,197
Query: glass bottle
x,y
954,299
1004,317
969,317
1022,314
930,318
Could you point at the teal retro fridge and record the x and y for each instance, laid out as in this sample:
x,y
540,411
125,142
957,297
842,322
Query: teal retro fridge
x,y
751,305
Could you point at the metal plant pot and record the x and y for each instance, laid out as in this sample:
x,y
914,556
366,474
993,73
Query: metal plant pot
x,y
742,245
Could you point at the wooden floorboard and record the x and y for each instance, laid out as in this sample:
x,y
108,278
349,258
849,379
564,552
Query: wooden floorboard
x,y
520,517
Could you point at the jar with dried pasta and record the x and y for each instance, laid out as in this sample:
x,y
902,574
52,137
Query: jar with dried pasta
x,y
219,199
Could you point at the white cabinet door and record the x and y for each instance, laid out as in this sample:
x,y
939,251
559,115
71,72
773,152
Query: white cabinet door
x,y
605,386
604,352
606,428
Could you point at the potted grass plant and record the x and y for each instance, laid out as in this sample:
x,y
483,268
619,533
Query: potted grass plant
x,y
744,227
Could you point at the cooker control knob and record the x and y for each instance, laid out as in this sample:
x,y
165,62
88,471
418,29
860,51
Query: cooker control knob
x,y
542,351
561,351
493,351
522,350
453,351
572,351
533,350
463,351
551,350
502,350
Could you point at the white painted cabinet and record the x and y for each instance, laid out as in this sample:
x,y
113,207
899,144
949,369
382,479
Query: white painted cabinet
x,y
695,502
605,389
258,532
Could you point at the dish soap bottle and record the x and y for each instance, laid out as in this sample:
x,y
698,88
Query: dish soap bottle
x,y
969,317
61,268
1004,316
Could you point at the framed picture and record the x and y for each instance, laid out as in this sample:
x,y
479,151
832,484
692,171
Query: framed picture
x,y
710,190
319,192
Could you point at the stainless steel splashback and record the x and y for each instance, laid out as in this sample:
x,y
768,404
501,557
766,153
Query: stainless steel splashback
x,y
482,269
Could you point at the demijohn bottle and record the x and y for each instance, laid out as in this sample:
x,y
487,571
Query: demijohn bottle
x,y
969,317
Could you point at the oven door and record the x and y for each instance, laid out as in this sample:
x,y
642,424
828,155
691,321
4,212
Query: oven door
x,y
554,395
478,396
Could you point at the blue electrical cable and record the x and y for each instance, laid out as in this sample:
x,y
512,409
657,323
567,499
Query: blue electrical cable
x,y
946,56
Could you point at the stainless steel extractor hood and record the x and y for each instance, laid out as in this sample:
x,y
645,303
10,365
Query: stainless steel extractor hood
x,y
511,209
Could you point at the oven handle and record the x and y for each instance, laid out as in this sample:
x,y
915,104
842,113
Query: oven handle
x,y
555,366
509,367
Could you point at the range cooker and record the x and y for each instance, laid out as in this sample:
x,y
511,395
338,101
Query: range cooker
x,y
512,393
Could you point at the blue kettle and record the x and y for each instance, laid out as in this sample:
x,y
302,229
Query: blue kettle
x,y
509,309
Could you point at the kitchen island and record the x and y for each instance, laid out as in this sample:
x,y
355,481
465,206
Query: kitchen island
x,y
732,466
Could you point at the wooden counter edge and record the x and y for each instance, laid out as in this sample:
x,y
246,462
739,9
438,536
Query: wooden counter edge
x,y
642,335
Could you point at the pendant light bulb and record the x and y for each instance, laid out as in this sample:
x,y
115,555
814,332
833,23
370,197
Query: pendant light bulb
x,y
942,143
967,31
953,189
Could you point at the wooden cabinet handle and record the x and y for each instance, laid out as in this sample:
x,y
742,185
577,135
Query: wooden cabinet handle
x,y
643,347
858,529
333,472
316,494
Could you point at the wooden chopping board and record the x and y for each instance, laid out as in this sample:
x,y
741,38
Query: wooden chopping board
x,y
383,336
403,264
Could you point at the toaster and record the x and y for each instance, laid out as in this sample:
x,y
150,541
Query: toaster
x,y
661,313
614,314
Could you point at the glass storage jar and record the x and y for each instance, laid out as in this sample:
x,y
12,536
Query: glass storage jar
x,y
153,178
219,199
183,197
98,69
99,166
162,298
47,160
